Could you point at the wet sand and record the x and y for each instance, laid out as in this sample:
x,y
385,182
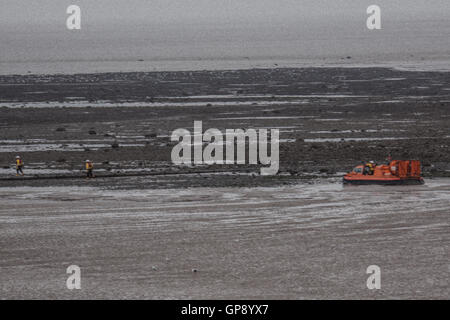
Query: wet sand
x,y
304,241
141,227
329,118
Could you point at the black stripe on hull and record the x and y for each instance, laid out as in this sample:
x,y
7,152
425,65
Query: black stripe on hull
x,y
385,182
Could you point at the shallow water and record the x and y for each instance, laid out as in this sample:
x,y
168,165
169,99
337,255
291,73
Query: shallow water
x,y
303,241
146,37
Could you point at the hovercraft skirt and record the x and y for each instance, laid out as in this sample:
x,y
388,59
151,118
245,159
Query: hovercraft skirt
x,y
383,182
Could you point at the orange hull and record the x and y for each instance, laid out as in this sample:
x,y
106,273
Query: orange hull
x,y
398,172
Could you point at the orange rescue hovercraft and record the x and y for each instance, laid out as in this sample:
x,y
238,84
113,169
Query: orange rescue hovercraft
x,y
395,173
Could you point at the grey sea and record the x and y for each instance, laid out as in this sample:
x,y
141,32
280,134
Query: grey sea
x,y
149,37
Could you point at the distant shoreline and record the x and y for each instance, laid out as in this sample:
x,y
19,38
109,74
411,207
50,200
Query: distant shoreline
x,y
144,66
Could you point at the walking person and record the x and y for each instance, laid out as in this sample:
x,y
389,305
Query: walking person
x,y
89,169
19,166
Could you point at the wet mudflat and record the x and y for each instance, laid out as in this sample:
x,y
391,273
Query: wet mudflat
x,y
329,118
304,240
144,224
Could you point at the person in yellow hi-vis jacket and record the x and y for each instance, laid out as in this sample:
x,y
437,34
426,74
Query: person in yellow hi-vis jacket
x,y
371,165
19,166
89,169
